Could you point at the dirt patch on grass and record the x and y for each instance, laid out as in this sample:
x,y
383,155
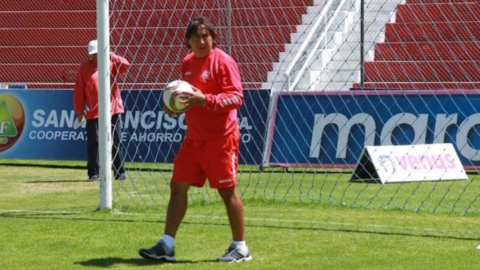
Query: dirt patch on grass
x,y
39,187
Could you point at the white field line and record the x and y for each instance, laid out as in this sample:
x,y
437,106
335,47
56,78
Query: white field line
x,y
275,220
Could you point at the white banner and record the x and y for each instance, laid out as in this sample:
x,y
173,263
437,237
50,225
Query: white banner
x,y
407,163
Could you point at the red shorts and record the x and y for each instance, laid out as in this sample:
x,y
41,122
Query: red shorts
x,y
215,160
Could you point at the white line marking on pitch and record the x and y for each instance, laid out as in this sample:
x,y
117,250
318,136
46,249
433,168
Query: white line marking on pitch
x,y
116,212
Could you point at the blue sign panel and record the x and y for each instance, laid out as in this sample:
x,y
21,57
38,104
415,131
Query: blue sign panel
x,y
40,124
332,128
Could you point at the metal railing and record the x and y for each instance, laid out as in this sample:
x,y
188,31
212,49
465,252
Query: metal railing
x,y
305,44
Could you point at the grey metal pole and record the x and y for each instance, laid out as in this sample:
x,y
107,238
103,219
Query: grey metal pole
x,y
362,41
229,26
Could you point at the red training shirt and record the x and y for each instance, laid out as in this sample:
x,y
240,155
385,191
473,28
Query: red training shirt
x,y
218,77
85,93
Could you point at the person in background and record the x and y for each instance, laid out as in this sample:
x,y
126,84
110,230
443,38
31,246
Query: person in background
x,y
211,146
85,103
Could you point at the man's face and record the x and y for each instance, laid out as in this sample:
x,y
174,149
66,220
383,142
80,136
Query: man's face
x,y
201,42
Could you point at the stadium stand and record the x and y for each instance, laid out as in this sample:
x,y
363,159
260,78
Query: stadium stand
x,y
419,44
44,41
431,45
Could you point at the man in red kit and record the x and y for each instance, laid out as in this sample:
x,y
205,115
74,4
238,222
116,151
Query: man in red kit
x,y
210,148
85,103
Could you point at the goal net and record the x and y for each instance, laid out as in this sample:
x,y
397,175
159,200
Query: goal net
x,y
322,79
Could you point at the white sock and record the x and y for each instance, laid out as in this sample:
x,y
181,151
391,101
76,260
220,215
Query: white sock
x,y
242,245
168,241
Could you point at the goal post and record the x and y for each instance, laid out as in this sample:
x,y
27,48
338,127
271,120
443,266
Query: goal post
x,y
104,120
309,137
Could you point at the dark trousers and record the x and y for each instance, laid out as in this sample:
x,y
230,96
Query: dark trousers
x,y
117,147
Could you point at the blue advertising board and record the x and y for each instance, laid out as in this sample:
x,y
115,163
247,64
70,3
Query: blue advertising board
x,y
330,129
39,124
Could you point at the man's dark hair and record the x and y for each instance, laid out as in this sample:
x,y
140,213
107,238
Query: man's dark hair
x,y
193,27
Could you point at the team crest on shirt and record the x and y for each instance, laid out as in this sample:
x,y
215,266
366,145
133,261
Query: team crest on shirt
x,y
205,74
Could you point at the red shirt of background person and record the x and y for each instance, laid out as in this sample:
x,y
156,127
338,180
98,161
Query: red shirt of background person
x,y
85,103
85,94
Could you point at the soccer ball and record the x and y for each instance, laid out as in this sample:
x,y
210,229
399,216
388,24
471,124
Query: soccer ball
x,y
172,94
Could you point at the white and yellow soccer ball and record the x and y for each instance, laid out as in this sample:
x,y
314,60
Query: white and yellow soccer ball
x,y
172,94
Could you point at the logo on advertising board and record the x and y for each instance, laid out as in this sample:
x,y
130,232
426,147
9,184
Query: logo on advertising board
x,y
12,121
387,163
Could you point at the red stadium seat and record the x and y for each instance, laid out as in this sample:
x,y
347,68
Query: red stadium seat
x,y
44,41
433,44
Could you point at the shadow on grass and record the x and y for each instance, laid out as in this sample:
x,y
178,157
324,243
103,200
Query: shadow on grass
x,y
108,262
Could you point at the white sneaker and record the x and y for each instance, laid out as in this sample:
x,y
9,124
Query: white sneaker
x,y
234,255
